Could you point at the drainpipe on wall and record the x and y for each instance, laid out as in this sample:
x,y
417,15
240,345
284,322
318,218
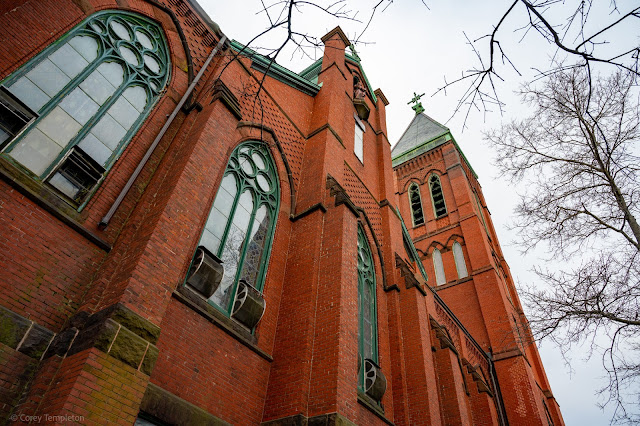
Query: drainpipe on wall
x,y
502,413
107,218
488,356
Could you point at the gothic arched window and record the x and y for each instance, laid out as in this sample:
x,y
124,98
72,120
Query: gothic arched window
x,y
368,328
416,205
69,112
242,221
458,256
437,196
438,267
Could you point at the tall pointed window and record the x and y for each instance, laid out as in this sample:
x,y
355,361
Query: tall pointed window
x,y
438,267
358,139
67,115
416,205
241,224
366,301
370,378
458,256
439,207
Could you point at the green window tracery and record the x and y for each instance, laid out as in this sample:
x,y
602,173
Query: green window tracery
x,y
241,223
368,329
90,91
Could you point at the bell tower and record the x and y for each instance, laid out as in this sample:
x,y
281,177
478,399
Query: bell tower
x,y
441,200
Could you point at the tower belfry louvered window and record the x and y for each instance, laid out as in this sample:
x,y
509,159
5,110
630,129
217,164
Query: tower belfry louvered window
x,y
416,205
439,206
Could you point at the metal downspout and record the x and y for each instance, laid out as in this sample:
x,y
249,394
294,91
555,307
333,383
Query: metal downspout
x,y
107,218
498,401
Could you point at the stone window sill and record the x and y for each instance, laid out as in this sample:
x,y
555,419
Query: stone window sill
x,y
453,283
48,201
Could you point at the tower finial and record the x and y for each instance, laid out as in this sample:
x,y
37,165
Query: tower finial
x,y
418,105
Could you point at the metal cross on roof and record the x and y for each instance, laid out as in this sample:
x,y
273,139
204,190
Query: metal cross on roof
x,y
418,105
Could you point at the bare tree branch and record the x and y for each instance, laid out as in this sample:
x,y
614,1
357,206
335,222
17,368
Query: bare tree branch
x,y
588,50
577,155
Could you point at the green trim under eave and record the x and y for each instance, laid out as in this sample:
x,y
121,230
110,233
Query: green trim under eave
x,y
414,252
428,146
269,67
311,73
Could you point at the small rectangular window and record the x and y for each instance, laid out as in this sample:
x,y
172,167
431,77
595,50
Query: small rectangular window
x,y
77,175
358,146
14,116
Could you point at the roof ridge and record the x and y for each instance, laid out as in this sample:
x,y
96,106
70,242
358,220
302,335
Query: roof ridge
x,y
435,121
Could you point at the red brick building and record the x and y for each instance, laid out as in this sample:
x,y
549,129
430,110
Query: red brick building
x,y
192,235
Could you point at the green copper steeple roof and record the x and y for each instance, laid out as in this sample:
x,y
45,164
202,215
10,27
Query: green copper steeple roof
x,y
422,135
421,131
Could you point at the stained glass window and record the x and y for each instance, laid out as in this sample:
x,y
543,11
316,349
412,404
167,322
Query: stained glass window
x,y
416,205
439,207
241,223
368,330
91,90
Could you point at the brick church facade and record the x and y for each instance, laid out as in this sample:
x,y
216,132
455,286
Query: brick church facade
x,y
192,235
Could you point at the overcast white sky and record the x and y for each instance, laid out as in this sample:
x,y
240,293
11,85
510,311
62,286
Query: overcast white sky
x,y
411,49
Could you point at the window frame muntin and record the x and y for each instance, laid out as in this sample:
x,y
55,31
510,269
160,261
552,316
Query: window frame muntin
x,y
103,55
22,105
